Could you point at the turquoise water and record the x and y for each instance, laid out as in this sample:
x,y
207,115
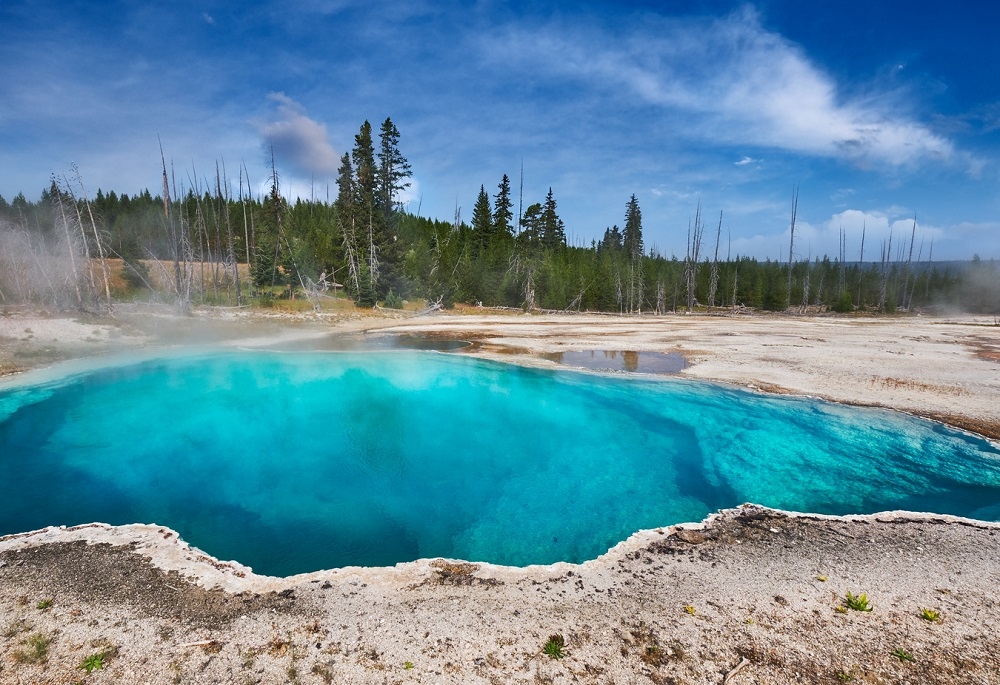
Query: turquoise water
x,y
299,461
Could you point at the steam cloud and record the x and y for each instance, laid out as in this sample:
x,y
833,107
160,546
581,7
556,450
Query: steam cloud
x,y
300,143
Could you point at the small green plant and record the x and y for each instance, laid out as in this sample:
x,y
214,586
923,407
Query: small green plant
x,y
902,654
858,602
844,676
407,665
931,615
94,662
36,649
392,301
690,610
840,609
822,579
554,647
44,604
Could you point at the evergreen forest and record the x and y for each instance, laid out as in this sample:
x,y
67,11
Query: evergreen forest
x,y
210,239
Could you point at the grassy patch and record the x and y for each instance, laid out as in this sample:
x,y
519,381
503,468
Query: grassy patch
x,y
555,647
35,649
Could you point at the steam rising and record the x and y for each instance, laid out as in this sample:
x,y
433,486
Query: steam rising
x,y
35,270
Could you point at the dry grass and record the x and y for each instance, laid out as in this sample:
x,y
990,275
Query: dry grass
x,y
35,649
914,385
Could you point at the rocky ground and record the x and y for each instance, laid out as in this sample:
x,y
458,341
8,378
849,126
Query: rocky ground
x,y
753,596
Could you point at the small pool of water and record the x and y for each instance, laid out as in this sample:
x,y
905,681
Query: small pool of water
x,y
616,361
296,461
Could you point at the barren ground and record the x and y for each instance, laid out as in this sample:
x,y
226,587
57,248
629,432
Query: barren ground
x,y
752,596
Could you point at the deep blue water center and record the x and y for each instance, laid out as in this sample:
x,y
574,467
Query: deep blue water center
x,y
292,462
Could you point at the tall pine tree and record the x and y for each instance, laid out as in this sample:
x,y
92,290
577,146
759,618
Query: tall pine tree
x,y
482,222
552,228
392,171
369,219
503,210
632,236
632,243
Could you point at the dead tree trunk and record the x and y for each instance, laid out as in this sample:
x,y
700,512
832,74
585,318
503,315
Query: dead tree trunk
x,y
714,281
791,241
861,263
909,263
70,245
92,289
171,227
691,259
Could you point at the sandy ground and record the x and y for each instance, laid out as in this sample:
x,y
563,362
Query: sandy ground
x,y
751,596
677,605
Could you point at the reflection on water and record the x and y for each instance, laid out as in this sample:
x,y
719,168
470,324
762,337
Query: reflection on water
x,y
628,361
362,343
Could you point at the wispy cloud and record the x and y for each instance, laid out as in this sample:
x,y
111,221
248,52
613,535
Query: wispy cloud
x,y
745,161
300,143
744,84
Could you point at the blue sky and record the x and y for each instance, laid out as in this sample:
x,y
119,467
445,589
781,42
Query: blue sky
x,y
877,111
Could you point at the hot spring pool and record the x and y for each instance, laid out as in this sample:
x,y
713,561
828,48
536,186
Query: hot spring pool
x,y
292,462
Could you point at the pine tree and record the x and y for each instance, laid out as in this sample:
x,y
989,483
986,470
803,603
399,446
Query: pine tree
x,y
632,243
369,218
503,210
482,222
612,240
346,210
392,169
632,236
531,225
269,235
553,229
363,157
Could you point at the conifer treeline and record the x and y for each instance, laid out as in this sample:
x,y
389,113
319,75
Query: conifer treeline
x,y
364,242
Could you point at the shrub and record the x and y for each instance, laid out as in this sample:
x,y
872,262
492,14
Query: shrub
x,y
392,301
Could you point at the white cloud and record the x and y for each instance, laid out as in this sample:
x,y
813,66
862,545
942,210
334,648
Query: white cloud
x,y
745,161
733,82
299,142
411,197
823,238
